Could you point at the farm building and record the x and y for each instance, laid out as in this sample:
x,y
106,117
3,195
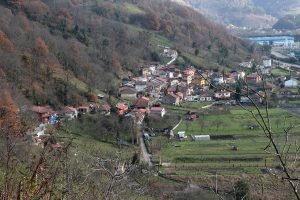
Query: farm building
x,y
275,41
201,137
291,83
181,135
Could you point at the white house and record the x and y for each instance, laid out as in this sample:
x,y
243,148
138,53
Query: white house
x,y
267,62
192,98
174,82
223,94
291,83
264,69
219,80
205,97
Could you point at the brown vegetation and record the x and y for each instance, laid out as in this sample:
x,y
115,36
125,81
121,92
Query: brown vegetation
x,y
62,50
9,115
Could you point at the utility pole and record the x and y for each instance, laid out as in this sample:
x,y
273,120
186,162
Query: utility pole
x,y
216,184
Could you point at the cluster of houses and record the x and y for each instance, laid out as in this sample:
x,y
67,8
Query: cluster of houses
x,y
173,86
47,115
159,84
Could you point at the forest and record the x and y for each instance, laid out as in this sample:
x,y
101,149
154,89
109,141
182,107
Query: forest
x,y
62,52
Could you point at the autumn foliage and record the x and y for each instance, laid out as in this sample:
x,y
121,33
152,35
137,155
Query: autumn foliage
x,y
6,44
16,3
9,115
61,50
41,47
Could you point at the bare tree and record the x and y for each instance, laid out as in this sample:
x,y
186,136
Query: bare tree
x,y
287,158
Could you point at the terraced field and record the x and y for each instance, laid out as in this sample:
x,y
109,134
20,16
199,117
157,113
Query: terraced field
x,y
227,129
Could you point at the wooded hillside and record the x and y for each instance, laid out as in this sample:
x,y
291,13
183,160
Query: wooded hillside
x,y
62,52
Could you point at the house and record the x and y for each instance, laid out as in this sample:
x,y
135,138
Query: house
x,y
105,109
264,69
229,78
191,98
154,93
169,53
185,89
292,83
140,86
253,78
141,103
238,75
172,99
188,79
160,73
200,81
162,81
43,113
218,80
222,94
174,82
158,83
128,92
160,111
267,62
246,64
189,72
89,107
146,72
122,108
205,97
83,109
70,112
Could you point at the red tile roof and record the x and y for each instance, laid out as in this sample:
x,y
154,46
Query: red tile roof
x,y
122,106
141,102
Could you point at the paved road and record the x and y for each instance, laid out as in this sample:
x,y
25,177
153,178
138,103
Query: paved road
x,y
145,154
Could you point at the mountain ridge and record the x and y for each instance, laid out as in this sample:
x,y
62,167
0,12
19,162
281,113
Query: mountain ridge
x,y
245,13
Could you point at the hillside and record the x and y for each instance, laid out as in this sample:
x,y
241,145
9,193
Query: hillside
x,y
64,52
290,22
241,13
279,8
246,13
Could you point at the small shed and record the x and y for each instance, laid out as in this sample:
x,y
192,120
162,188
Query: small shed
x,y
181,135
201,137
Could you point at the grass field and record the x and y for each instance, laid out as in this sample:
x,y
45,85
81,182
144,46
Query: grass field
x,y
133,9
230,128
280,72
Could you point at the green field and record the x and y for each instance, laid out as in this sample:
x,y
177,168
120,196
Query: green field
x,y
133,9
237,122
231,127
280,72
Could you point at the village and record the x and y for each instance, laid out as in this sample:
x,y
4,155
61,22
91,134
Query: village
x,y
162,87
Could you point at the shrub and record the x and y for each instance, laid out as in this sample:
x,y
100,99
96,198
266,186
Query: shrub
x,y
241,190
